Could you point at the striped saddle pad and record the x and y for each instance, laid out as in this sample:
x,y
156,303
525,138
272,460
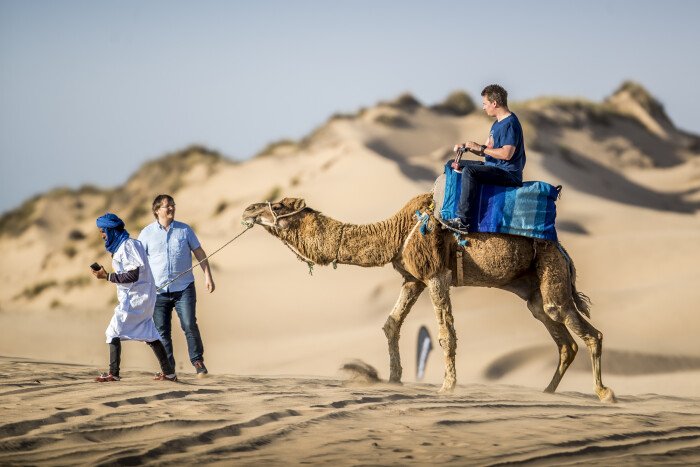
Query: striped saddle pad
x,y
528,211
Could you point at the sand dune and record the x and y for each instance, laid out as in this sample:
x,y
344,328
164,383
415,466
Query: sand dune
x,y
629,216
53,414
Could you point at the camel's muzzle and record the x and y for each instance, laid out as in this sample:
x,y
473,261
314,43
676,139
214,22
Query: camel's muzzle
x,y
255,218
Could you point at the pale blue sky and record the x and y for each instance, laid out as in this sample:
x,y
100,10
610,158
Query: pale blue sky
x,y
90,90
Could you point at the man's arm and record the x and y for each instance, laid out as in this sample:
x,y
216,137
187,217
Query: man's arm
x,y
504,153
208,280
124,277
117,278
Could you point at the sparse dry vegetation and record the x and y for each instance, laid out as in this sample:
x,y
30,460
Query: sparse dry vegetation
x,y
35,290
70,251
76,281
640,95
18,220
343,116
458,103
138,212
221,207
283,145
76,235
392,120
405,102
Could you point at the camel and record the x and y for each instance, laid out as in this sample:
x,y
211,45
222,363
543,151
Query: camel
x,y
538,271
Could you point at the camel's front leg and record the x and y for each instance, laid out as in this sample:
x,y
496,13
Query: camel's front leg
x,y
439,287
410,291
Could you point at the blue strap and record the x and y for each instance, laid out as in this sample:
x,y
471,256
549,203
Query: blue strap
x,y
461,241
424,218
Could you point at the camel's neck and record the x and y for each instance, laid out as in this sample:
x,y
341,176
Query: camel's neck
x,y
323,240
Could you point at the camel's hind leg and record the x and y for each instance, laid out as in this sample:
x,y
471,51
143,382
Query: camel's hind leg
x,y
594,341
566,344
558,303
439,287
410,291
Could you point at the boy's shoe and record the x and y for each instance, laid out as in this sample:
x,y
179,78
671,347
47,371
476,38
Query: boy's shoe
x,y
106,377
201,369
162,377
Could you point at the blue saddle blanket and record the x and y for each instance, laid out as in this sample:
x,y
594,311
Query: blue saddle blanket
x,y
529,210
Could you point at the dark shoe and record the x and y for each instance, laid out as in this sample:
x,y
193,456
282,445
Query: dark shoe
x,y
107,377
457,224
162,377
201,369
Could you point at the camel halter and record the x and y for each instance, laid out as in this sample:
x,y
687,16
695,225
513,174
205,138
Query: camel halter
x,y
247,228
275,217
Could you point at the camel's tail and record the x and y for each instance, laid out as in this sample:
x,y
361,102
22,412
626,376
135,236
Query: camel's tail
x,y
581,300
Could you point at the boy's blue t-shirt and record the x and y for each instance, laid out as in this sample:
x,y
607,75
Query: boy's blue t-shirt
x,y
508,132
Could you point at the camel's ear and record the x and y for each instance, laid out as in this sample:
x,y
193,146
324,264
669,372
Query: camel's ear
x,y
295,204
299,204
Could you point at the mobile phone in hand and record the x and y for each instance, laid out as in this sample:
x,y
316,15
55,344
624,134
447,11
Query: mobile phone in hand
x,y
95,267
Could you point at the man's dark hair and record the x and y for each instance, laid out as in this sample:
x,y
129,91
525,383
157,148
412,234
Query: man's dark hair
x,y
496,93
156,203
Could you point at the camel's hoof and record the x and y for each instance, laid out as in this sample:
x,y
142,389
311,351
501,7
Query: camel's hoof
x,y
447,389
606,395
396,381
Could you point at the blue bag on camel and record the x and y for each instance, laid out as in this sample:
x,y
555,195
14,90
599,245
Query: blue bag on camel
x,y
529,210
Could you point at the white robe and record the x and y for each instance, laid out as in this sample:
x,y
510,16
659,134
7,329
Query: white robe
x,y
133,316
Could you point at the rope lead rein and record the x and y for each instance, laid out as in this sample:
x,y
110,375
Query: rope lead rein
x,y
247,225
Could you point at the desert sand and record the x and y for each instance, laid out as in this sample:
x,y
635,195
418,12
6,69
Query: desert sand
x,y
275,336
64,419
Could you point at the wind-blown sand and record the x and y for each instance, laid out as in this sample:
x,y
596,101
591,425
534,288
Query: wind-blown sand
x,y
53,414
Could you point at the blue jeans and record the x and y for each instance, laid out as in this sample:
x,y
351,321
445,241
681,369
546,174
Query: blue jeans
x,y
184,303
475,173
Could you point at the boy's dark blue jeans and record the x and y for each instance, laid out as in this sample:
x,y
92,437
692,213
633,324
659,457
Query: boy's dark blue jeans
x,y
475,173
184,302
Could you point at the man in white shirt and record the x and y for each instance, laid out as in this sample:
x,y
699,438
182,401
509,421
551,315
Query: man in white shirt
x,y
169,245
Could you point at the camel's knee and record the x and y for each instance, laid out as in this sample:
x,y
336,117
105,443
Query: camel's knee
x,y
389,327
590,335
447,341
594,341
567,353
555,312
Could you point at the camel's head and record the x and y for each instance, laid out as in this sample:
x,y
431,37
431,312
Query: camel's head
x,y
278,215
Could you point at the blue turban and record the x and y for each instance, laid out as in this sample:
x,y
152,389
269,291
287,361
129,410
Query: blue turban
x,y
113,226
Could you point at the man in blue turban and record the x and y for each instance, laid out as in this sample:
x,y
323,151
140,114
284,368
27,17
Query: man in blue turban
x,y
136,294
113,228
